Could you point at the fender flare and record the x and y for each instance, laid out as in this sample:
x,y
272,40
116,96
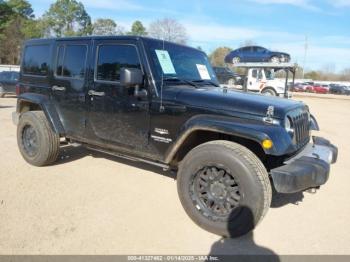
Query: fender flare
x,y
47,107
253,130
314,124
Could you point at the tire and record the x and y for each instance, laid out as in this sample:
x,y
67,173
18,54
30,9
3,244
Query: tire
x,y
269,92
38,144
236,60
247,188
275,59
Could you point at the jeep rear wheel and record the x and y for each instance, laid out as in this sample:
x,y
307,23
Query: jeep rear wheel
x,y
38,144
224,188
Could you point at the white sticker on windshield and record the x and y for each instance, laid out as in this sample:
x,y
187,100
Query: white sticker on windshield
x,y
165,62
203,72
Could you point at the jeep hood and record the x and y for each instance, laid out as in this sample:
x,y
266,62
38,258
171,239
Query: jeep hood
x,y
217,99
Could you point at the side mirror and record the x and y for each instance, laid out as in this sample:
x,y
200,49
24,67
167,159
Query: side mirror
x,y
131,77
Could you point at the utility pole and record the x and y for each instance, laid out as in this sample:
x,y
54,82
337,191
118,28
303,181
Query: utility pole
x,y
306,47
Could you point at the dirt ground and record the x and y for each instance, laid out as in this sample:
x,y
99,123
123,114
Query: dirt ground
x,y
89,203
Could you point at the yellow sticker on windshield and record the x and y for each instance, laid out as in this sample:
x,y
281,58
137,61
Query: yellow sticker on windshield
x,y
165,62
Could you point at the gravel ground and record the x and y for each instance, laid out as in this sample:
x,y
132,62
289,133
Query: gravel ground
x,y
89,203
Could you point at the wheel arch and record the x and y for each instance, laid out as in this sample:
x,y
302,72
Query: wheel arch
x,y
202,129
274,55
271,88
203,135
36,102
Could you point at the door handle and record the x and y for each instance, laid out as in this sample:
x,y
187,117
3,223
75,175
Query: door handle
x,y
58,88
95,93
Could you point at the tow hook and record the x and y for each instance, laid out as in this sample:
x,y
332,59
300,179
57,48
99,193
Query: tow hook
x,y
313,190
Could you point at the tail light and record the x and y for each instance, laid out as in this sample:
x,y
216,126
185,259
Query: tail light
x,y
18,90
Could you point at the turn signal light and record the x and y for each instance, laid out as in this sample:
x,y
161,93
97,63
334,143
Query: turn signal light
x,y
267,144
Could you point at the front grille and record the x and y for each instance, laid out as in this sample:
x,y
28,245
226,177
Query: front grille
x,y
301,124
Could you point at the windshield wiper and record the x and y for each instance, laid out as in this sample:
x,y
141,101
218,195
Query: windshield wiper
x,y
176,79
206,82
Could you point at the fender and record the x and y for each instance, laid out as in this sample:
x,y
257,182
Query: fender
x,y
314,124
250,129
48,108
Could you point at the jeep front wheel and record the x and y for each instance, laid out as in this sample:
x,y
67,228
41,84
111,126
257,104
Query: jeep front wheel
x,y
224,188
38,144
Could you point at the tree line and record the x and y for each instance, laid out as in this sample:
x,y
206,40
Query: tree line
x,y
67,18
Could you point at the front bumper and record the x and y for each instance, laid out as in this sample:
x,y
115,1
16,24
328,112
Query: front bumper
x,y
308,169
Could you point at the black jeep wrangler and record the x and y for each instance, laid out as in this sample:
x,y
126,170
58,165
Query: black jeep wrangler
x,y
160,103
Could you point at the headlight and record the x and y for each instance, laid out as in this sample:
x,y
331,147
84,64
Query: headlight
x,y
288,125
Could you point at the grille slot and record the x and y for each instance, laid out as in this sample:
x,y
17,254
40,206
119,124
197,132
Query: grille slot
x,y
301,124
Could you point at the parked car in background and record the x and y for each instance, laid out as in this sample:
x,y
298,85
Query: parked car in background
x,y
8,82
301,87
318,89
326,86
256,54
297,88
227,76
339,90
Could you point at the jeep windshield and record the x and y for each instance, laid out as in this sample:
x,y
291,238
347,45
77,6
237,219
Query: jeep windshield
x,y
180,65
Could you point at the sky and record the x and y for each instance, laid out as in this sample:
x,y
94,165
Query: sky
x,y
281,25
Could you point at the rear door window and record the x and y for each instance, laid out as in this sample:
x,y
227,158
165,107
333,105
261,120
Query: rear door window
x,y
71,61
36,60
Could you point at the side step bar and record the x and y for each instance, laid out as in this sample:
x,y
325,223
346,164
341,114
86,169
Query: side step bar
x,y
134,159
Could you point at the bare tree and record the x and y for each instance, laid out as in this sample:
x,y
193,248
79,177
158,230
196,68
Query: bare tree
x,y
168,29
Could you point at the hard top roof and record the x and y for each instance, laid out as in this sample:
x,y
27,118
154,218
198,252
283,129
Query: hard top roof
x,y
82,38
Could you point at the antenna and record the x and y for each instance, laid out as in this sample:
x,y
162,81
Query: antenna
x,y
305,54
161,108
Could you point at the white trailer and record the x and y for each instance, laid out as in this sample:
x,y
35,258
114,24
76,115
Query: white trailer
x,y
260,78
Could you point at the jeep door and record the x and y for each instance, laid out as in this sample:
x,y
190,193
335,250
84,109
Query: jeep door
x,y
117,118
69,85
